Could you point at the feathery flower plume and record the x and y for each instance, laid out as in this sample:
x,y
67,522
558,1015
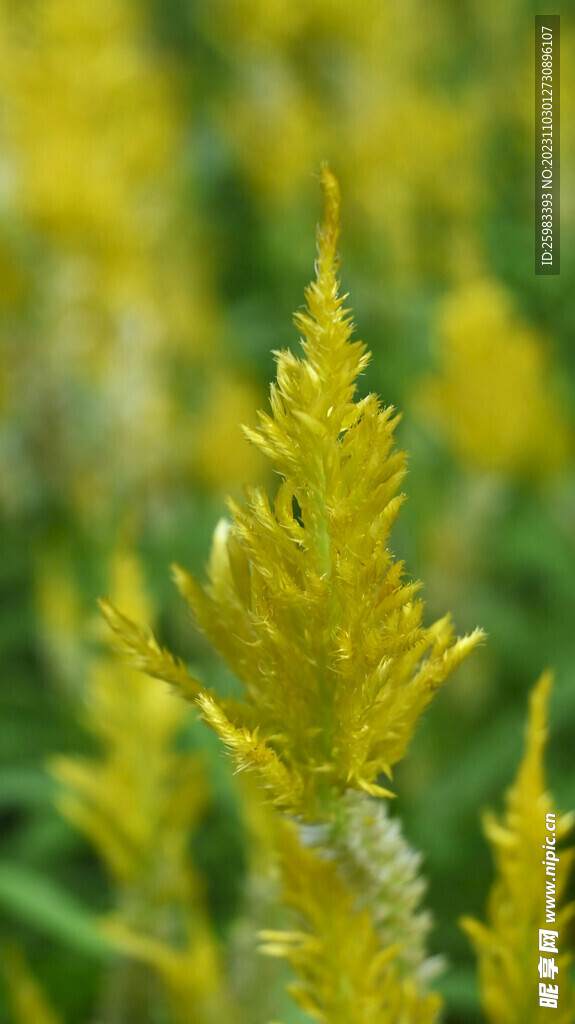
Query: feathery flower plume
x,y
138,802
304,598
507,946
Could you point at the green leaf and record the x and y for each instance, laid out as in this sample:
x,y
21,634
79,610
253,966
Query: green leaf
x,y
44,906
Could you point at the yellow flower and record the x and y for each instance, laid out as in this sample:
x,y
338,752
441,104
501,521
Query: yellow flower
x,y
93,172
507,946
137,803
492,396
304,598
137,799
290,103
347,977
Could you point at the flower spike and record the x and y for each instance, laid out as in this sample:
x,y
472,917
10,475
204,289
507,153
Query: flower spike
x,y
304,599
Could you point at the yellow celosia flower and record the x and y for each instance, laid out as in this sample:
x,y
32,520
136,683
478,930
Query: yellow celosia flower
x,y
93,136
507,946
121,801
190,973
304,599
346,975
289,103
91,127
492,396
137,804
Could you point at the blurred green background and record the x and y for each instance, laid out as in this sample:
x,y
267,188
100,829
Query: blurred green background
x,y
158,199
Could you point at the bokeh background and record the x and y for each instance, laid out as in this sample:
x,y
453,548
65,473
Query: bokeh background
x,y
158,200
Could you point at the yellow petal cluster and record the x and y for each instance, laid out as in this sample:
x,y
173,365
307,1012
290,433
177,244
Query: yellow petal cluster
x,y
304,599
507,946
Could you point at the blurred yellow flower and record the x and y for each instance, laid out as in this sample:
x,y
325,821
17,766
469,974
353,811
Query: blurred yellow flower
x,y
137,803
91,131
93,184
493,394
221,456
312,82
507,946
